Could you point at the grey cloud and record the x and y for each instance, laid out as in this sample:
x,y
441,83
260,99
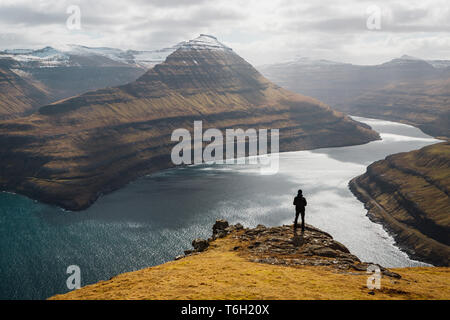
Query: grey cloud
x,y
252,26
216,14
16,40
160,38
358,25
349,24
170,3
29,16
409,15
196,20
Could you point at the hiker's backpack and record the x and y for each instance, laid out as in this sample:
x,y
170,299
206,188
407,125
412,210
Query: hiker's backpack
x,y
300,201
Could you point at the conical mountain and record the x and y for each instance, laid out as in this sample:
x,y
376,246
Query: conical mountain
x,y
70,152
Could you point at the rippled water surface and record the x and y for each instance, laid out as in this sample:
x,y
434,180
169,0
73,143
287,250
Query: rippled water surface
x,y
155,218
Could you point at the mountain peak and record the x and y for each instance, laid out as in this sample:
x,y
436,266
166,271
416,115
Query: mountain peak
x,y
408,57
205,42
45,52
310,61
406,60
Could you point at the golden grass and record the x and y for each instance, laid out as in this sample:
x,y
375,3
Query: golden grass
x,y
220,273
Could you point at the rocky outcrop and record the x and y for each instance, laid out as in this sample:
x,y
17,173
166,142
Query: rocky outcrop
x,y
281,246
71,152
230,270
200,245
220,229
409,194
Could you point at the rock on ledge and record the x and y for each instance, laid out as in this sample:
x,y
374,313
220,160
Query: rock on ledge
x,y
280,246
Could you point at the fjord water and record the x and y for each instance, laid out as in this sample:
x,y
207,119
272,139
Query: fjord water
x,y
155,218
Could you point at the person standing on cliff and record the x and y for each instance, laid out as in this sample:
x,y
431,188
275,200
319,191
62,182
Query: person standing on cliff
x,y
300,204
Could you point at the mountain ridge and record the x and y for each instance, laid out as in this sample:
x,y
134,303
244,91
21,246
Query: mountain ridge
x,y
69,153
405,89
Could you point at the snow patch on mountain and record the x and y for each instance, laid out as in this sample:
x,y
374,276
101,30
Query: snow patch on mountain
x,y
44,58
411,58
439,64
204,42
62,56
406,60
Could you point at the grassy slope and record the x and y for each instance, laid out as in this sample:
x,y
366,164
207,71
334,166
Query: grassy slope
x,y
221,273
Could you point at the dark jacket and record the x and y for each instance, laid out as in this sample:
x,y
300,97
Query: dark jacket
x,y
300,203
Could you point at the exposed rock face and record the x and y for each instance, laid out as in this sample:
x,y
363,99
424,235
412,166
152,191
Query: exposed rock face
x,y
200,245
70,152
281,246
409,194
18,96
220,229
278,245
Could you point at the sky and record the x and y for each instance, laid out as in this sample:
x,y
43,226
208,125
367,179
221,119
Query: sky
x,y
261,31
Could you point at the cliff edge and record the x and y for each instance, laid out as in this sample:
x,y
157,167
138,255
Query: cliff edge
x,y
267,263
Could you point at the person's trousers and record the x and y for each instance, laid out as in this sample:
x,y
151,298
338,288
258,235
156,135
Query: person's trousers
x,y
303,220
